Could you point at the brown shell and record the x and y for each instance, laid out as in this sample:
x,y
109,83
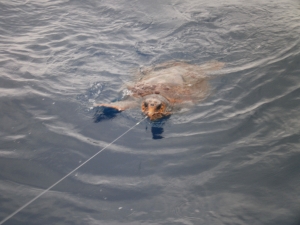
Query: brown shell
x,y
176,81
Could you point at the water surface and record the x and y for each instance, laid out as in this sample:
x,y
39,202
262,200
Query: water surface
x,y
231,159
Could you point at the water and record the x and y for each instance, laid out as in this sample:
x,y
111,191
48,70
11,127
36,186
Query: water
x,y
231,159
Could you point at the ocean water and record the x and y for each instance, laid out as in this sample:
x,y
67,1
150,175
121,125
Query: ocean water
x,y
230,159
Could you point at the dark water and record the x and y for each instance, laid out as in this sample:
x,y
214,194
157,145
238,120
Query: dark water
x,y
231,159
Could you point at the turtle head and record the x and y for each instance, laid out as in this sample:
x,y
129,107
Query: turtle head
x,y
155,106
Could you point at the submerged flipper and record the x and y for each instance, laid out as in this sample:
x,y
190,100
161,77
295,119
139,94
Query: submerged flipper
x,y
110,110
105,113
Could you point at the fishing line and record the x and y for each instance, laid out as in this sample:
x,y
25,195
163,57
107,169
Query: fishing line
x,y
57,182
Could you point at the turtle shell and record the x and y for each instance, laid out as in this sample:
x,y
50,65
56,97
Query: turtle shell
x,y
176,81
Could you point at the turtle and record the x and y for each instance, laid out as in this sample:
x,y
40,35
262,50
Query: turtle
x,y
161,89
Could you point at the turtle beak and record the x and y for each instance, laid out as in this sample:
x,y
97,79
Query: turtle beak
x,y
151,111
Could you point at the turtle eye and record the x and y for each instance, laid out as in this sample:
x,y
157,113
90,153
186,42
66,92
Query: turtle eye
x,y
145,104
158,107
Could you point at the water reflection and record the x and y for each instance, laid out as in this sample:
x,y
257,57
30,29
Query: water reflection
x,y
157,132
157,127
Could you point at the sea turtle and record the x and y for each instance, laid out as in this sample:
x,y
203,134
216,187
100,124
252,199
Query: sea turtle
x,y
161,88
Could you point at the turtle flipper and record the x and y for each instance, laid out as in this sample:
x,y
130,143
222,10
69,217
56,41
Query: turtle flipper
x,y
120,105
110,105
110,110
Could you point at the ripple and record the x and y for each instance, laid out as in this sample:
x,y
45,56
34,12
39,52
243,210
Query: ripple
x,y
238,145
